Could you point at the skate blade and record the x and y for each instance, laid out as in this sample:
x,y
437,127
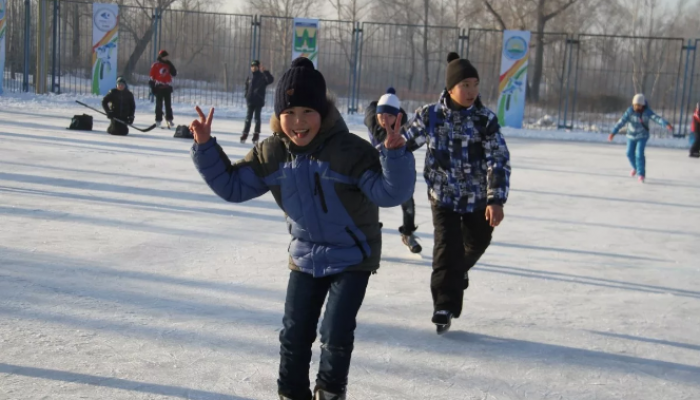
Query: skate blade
x,y
441,329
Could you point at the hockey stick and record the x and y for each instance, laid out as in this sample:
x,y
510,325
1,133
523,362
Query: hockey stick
x,y
150,128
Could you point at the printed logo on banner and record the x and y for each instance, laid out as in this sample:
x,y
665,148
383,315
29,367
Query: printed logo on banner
x,y
512,81
105,19
305,41
105,37
2,9
515,48
305,37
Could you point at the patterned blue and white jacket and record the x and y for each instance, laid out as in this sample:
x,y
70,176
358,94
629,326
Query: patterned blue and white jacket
x,y
467,163
638,123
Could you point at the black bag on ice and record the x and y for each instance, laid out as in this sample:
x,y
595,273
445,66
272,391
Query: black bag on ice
x,y
183,132
81,122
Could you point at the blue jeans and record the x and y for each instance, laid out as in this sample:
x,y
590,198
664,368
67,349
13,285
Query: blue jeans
x,y
635,154
302,309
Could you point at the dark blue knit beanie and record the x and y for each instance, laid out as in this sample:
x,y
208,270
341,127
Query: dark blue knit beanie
x,y
301,86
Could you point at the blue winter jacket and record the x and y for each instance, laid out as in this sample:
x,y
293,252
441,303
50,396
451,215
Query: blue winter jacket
x,y
638,123
467,163
329,190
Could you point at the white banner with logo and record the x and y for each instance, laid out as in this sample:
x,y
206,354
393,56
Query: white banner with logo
x,y
305,39
105,34
3,26
513,78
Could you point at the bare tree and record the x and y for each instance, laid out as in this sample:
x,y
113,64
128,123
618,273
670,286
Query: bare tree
x,y
542,12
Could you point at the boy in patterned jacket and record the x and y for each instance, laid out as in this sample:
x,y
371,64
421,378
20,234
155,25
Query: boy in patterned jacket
x,y
467,169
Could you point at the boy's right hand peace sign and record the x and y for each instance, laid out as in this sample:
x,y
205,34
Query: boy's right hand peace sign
x,y
394,139
201,128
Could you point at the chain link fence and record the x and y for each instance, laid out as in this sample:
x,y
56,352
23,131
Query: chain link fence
x,y
575,82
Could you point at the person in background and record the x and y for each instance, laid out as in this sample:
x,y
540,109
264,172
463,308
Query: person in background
x,y
381,115
637,118
162,73
695,129
119,103
255,86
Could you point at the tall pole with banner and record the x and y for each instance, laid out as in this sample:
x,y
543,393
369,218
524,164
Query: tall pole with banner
x,y
305,39
105,35
3,25
512,83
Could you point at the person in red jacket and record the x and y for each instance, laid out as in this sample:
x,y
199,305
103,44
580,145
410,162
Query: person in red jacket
x,y
695,127
162,73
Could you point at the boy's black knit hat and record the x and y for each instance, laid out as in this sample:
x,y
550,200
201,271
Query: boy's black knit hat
x,y
458,69
301,86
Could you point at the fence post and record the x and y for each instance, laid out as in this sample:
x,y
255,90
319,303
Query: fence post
x,y
577,43
156,25
54,50
353,71
468,38
254,38
563,77
463,39
569,45
27,43
687,50
58,85
358,80
258,39
692,82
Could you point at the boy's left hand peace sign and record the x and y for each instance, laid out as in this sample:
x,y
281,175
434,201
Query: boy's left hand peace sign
x,y
394,139
201,128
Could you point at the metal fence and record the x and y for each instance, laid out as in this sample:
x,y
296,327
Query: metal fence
x,y
574,81
409,58
273,46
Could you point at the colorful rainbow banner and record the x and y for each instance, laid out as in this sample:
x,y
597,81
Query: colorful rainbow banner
x,y
105,34
513,79
3,25
305,39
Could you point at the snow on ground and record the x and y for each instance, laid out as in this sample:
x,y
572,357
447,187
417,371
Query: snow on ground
x,y
123,277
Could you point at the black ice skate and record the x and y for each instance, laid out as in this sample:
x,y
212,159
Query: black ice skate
x,y
411,242
244,136
442,320
320,394
256,138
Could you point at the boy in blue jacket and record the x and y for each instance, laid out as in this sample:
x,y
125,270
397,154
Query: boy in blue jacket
x,y
637,120
330,184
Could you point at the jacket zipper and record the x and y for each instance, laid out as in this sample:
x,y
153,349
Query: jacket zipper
x,y
318,190
357,242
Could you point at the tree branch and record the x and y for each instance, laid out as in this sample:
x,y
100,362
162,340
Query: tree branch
x,y
496,15
560,10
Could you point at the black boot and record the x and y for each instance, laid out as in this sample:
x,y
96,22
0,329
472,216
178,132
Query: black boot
x,y
320,394
256,138
244,136
442,320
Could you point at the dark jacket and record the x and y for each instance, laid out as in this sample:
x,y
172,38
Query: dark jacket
x,y
467,163
120,103
255,86
329,191
377,134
